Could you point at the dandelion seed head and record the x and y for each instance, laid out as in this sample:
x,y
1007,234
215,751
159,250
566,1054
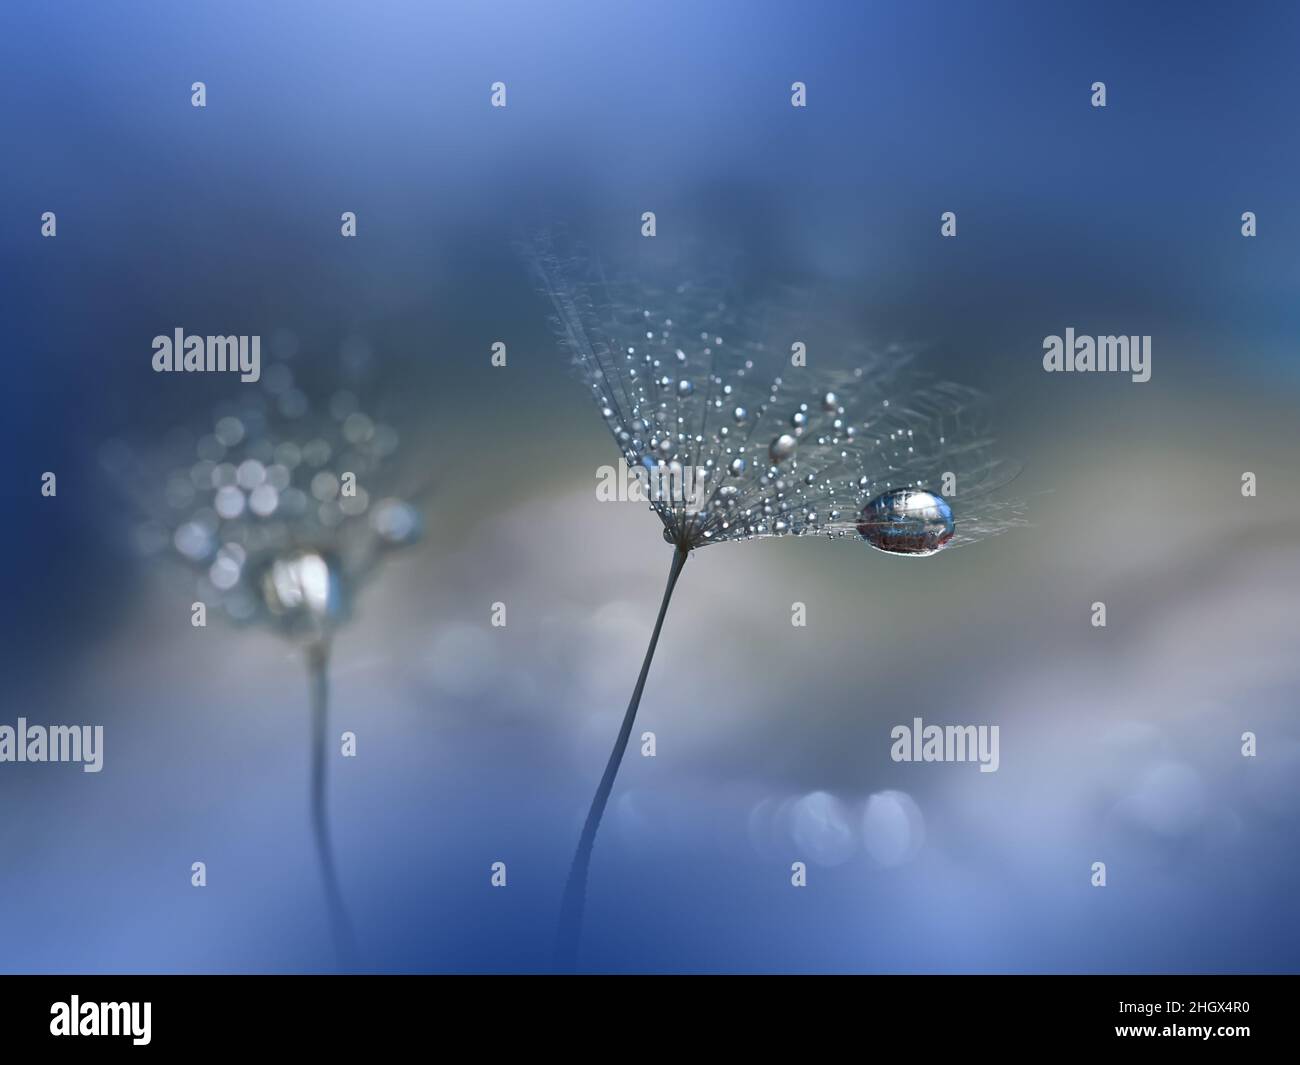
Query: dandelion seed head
x,y
677,374
254,501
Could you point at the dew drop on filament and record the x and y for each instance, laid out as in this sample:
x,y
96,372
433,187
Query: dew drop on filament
x,y
781,448
907,521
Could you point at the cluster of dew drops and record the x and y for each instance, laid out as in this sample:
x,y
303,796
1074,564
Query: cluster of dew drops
x,y
772,465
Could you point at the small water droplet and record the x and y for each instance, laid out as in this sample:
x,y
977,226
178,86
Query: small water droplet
x,y
781,448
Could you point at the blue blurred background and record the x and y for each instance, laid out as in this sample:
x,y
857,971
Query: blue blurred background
x,y
479,744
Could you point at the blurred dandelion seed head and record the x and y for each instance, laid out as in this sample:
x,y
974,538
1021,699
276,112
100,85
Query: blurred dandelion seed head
x,y
685,376
282,506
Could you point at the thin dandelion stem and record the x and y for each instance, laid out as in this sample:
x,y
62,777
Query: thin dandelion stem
x,y
340,923
575,891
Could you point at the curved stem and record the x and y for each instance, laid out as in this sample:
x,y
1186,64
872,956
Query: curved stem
x,y
575,891
340,923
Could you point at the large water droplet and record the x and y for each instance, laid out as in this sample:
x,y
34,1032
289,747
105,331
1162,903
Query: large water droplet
x,y
907,521
303,587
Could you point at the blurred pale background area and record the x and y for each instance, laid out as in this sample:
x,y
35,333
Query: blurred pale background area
x,y
479,744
